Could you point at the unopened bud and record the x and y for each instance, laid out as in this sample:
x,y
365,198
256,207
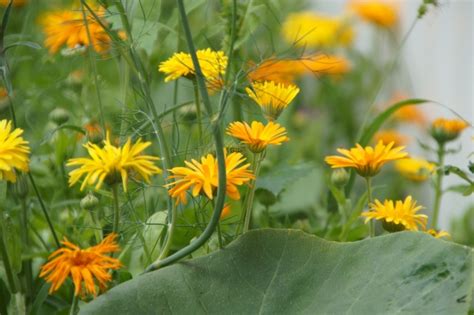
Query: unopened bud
x,y
340,177
89,202
59,116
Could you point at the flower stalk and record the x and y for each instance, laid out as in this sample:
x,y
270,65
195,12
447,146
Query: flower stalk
x,y
438,185
368,181
116,222
257,160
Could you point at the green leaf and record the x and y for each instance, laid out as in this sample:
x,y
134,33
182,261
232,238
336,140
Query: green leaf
x,y
288,272
281,176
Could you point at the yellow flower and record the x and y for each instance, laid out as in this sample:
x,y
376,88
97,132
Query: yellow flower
x,y
379,12
67,28
390,135
16,3
86,267
202,177
285,71
414,169
14,152
112,164
213,65
366,161
310,29
438,234
258,136
397,216
444,130
272,97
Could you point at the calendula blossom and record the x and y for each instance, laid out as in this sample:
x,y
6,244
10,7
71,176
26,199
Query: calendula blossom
x,y
438,234
202,177
444,130
366,161
272,97
86,267
113,164
213,65
258,136
69,28
14,152
316,30
390,135
415,169
380,12
397,216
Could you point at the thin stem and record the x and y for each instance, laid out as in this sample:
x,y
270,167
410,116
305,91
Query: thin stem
x,y
97,227
368,181
73,310
198,109
257,160
170,234
28,273
115,226
6,264
438,186
43,208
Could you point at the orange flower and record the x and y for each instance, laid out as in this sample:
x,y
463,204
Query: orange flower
x,y
226,211
444,130
258,136
86,267
16,3
408,113
390,135
381,13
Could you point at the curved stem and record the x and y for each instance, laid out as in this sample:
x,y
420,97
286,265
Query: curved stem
x,y
368,181
170,234
438,186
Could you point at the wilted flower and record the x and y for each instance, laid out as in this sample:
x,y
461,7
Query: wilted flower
x,y
202,177
414,169
397,216
272,97
310,29
113,164
69,28
366,161
14,151
444,130
86,267
380,12
258,136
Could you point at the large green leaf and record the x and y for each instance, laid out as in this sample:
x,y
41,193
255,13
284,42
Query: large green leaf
x,y
290,272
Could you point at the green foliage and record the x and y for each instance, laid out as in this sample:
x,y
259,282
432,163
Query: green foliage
x,y
287,271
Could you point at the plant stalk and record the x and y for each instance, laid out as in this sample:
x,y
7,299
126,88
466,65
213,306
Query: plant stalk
x,y
368,181
116,222
257,160
438,186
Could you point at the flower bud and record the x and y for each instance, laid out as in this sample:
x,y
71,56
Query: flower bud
x,y
59,116
445,130
265,197
339,177
89,202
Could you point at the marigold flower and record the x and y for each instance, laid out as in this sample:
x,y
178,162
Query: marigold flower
x,y
258,136
438,234
366,161
213,65
16,3
397,216
407,113
379,12
414,169
112,164
285,71
86,267
202,177
391,135
444,130
311,29
68,28
14,151
272,97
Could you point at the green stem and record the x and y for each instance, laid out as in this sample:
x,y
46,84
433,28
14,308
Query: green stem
x,y
97,227
6,263
45,212
257,160
74,310
170,234
27,269
115,226
438,186
198,109
368,181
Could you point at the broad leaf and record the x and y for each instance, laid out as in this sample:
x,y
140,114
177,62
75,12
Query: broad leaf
x,y
289,272
282,176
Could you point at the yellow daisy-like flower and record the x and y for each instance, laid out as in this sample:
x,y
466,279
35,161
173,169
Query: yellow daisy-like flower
x,y
272,97
444,130
397,216
285,71
112,164
414,169
258,136
438,234
310,29
213,65
391,135
202,177
67,28
14,151
379,12
86,267
366,161
16,3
